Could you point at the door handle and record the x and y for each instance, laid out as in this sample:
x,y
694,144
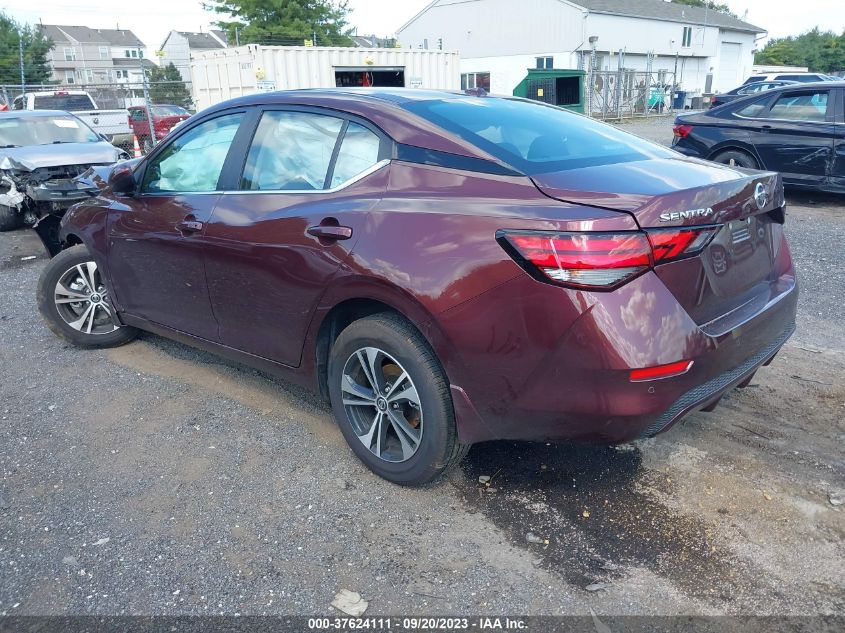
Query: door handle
x,y
186,227
766,128
328,232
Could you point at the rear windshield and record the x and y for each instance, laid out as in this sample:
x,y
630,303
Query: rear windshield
x,y
169,110
63,102
536,138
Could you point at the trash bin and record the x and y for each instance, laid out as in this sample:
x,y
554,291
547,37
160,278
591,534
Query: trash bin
x,y
680,99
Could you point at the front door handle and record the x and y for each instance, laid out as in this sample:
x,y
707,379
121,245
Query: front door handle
x,y
328,232
186,227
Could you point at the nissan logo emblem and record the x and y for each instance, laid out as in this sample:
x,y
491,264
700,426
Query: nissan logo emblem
x,y
761,196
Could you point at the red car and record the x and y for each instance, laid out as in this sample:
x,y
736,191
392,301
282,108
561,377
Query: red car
x,y
444,268
165,118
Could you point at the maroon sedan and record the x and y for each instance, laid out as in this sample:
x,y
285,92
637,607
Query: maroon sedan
x,y
444,268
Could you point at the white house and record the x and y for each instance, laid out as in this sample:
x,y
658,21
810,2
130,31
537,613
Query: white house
x,y
180,46
498,40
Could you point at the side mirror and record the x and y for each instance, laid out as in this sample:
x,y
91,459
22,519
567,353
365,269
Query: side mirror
x,y
122,180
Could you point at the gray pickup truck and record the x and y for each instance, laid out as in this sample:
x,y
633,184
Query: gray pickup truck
x,y
113,125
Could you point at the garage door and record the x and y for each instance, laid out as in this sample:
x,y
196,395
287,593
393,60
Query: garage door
x,y
727,77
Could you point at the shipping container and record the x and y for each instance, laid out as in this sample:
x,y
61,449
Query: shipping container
x,y
232,72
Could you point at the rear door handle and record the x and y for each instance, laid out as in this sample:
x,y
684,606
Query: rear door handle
x,y
327,232
766,128
186,227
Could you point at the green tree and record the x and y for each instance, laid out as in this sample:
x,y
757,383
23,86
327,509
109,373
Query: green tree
x,y
710,4
35,49
284,22
167,86
820,51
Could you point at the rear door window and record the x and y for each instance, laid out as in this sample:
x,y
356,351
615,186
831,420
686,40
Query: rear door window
x,y
754,109
358,151
801,106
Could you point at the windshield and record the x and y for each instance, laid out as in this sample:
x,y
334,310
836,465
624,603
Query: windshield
x,y
536,138
169,110
44,130
72,103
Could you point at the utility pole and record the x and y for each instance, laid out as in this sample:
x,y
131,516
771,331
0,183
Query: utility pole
x,y
237,37
20,53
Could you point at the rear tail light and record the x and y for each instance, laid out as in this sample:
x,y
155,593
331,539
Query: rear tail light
x,y
660,371
682,130
600,261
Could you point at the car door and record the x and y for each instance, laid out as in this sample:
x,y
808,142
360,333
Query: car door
x,y
155,237
272,245
837,175
794,135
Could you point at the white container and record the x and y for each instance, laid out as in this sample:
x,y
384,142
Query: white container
x,y
232,72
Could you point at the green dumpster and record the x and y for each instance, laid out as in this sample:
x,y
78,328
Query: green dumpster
x,y
560,87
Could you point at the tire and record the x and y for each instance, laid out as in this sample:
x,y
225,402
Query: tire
x,y
10,219
739,158
84,322
419,443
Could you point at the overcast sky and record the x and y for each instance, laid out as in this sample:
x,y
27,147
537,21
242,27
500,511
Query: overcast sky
x,y
151,20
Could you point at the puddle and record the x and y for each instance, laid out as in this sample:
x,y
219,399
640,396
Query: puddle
x,y
593,505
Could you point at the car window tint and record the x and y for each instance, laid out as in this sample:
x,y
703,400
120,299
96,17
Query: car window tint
x,y
194,160
752,109
358,152
753,79
804,106
533,137
291,151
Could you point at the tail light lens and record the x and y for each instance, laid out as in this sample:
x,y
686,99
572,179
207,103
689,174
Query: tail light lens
x,y
600,261
681,131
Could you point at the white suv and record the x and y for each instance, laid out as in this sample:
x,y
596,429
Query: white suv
x,y
802,77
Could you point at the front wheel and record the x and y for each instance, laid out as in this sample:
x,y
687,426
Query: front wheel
x,y
392,400
75,303
10,218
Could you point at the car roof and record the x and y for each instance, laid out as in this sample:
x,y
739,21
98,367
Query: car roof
x,y
31,114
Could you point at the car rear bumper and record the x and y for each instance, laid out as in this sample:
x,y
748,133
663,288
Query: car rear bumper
x,y
550,376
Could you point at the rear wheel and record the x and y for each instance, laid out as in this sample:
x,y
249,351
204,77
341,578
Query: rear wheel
x,y
75,302
736,158
392,400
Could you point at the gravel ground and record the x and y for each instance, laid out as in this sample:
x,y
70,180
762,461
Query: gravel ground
x,y
157,479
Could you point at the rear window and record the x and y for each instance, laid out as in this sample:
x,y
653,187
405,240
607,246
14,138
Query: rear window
x,y
63,102
535,138
751,80
800,77
169,110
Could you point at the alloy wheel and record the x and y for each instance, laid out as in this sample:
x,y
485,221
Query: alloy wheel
x,y
82,300
382,404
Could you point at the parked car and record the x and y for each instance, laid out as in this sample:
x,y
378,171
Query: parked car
x,y
41,152
798,130
794,76
165,118
747,89
113,125
445,269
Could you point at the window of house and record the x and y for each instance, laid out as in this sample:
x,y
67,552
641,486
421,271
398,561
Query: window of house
x,y
291,151
471,81
686,41
126,53
89,75
140,53
803,106
70,54
545,62
104,52
134,53
69,78
194,160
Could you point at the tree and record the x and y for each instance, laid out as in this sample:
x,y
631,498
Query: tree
x,y
710,4
285,22
820,51
35,49
167,86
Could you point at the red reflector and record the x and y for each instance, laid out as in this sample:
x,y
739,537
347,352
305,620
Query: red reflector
x,y
583,260
682,130
661,371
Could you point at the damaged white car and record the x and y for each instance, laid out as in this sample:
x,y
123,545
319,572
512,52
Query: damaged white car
x,y
41,154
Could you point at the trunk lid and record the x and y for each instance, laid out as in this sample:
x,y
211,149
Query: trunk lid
x,y
721,285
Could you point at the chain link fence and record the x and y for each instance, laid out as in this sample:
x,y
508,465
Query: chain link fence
x,y
624,93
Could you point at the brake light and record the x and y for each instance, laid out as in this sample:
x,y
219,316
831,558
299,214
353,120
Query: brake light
x,y
661,371
600,261
682,130
61,93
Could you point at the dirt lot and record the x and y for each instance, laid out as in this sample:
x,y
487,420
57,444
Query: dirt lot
x,y
157,479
